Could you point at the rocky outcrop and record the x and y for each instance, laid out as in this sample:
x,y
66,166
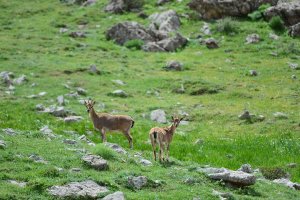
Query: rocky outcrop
x,y
78,190
288,183
289,12
295,30
95,162
216,9
115,196
120,6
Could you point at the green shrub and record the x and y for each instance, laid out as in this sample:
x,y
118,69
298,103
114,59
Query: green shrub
x,y
277,24
258,14
134,44
274,173
105,152
227,26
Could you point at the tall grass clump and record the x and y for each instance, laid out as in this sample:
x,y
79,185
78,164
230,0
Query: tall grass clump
x,y
277,24
134,44
259,13
227,26
105,152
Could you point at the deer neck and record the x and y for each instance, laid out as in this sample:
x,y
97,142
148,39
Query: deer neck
x,y
93,115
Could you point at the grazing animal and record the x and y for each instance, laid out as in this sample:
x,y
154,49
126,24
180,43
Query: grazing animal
x,y
106,122
163,136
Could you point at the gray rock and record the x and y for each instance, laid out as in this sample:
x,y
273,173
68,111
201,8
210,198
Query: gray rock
x,y
273,36
158,116
71,119
199,142
115,147
9,131
83,190
119,82
95,162
60,100
165,22
63,30
246,168
37,159
42,94
137,182
152,47
280,115
115,196
288,183
245,115
223,195
216,9
119,93
253,73
76,170
11,87
209,170
93,70
77,34
47,132
174,65
89,3
40,107
120,6
294,66
58,111
18,183
294,30
6,77
252,39
85,139
145,162
20,80
292,165
81,91
289,12
125,31
173,43
211,43
236,178
205,29
68,141
2,144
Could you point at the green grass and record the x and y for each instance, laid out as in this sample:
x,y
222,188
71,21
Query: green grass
x,y
32,45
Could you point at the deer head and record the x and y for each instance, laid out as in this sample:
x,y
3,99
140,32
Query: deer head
x,y
89,104
176,121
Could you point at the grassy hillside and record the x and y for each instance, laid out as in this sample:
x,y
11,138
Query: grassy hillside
x,y
31,44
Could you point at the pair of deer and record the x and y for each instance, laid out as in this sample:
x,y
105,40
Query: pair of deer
x,y
106,122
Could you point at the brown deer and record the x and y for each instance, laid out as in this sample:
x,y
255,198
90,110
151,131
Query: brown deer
x,y
106,122
163,136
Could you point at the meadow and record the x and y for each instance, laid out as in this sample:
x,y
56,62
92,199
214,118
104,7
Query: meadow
x,y
31,44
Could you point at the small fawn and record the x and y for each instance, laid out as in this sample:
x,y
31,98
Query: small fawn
x,y
163,136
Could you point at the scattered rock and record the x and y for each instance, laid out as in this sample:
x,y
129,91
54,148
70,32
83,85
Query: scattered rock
x,y
39,107
42,94
252,39
174,65
6,77
60,100
20,80
68,141
9,131
216,9
120,6
118,93
73,94
58,111
223,195
205,29
18,183
125,31
199,142
119,82
11,87
280,115
63,30
81,91
292,165
253,73
93,70
2,144
137,182
37,159
71,119
89,3
85,139
289,12
47,132
95,162
76,170
180,90
211,43
273,36
245,115
171,44
294,66
83,190
158,116
294,30
115,147
115,196
77,34
288,183
246,168
164,23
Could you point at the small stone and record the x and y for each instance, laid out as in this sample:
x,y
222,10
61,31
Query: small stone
x,y
37,159
246,168
158,116
68,141
211,43
63,30
273,36
39,107
145,162
11,87
137,182
33,96
280,115
20,80
18,183
223,195
294,76
47,131
288,183
59,112
115,147
77,34
205,29
93,70
115,196
292,165
252,39
73,119
2,144
253,73
95,162
81,91
245,115
174,65
78,190
60,100
119,93
119,82
9,131
199,142
42,94
75,170
294,66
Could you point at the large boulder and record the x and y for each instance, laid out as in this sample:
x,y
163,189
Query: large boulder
x,y
78,190
120,6
165,22
295,30
137,182
216,9
172,43
125,31
158,116
289,12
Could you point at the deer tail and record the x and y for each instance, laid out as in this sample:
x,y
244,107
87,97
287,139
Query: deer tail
x,y
132,124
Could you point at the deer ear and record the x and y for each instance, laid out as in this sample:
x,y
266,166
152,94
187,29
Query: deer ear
x,y
172,118
181,118
93,102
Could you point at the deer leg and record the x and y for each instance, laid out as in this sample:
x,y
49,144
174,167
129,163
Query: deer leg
x,y
103,135
161,152
153,143
129,137
168,152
